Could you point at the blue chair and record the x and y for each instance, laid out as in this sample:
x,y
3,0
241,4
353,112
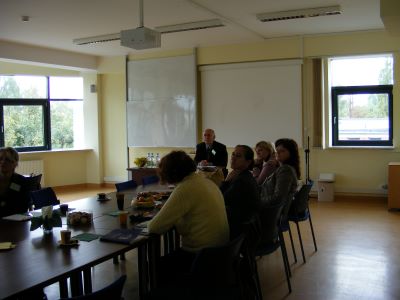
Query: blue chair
x,y
126,185
271,236
299,211
285,226
44,197
113,291
150,179
33,182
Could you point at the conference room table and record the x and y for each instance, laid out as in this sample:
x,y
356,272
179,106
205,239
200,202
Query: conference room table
x,y
38,260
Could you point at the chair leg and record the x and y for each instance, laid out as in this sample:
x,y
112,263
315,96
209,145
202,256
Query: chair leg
x,y
284,253
291,241
258,285
286,263
312,232
301,241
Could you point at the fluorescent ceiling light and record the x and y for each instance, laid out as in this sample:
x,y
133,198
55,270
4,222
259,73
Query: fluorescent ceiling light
x,y
97,39
162,29
299,14
190,26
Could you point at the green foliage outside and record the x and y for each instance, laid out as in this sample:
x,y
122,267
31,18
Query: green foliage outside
x,y
62,135
24,125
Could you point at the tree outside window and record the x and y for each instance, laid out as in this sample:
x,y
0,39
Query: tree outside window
x,y
31,120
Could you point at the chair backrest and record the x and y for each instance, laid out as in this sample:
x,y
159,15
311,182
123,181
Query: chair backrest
x,y
150,179
126,185
285,213
33,182
270,217
217,266
44,197
252,232
248,270
113,291
300,201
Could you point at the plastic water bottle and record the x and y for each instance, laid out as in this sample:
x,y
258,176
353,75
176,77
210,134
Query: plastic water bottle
x,y
152,160
148,160
157,159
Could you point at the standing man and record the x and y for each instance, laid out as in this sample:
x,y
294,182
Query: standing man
x,y
211,153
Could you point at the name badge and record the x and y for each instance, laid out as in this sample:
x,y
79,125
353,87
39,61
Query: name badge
x,y
213,152
15,187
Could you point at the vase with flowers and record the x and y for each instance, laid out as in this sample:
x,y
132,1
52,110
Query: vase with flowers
x,y
140,161
47,220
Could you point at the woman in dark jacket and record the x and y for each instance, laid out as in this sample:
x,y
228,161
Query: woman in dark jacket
x,y
14,192
240,189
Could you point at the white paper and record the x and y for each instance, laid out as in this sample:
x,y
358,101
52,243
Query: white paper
x,y
18,217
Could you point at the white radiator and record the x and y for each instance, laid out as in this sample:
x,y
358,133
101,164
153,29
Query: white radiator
x,y
27,167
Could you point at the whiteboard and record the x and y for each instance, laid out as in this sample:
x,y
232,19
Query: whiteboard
x,y
161,104
248,102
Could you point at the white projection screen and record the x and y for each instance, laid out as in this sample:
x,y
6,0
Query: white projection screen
x,y
248,102
161,106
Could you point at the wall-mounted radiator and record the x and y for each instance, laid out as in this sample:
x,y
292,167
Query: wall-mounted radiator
x,y
28,167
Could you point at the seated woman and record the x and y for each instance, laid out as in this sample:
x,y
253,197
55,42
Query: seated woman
x,y
266,162
195,207
15,198
14,192
240,190
282,184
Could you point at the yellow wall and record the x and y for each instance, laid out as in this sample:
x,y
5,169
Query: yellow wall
x,y
113,119
61,167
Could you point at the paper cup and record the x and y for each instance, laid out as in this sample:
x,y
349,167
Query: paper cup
x,y
65,236
123,218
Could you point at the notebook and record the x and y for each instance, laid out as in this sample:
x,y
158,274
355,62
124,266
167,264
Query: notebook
x,y
121,235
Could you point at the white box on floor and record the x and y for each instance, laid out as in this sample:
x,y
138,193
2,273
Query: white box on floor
x,y
326,191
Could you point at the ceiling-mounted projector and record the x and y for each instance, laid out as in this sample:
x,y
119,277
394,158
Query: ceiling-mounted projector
x,y
141,38
145,38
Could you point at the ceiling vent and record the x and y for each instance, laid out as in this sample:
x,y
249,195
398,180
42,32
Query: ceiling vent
x,y
299,14
190,26
97,39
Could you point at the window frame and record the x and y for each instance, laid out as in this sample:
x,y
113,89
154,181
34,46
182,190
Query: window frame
x,y
46,121
354,90
46,108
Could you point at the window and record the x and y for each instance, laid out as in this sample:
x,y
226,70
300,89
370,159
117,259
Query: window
x,y
362,100
41,113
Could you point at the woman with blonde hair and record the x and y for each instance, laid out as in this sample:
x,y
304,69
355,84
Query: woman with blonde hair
x,y
265,163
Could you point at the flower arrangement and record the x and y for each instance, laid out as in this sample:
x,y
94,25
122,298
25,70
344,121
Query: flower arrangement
x,y
140,161
47,220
